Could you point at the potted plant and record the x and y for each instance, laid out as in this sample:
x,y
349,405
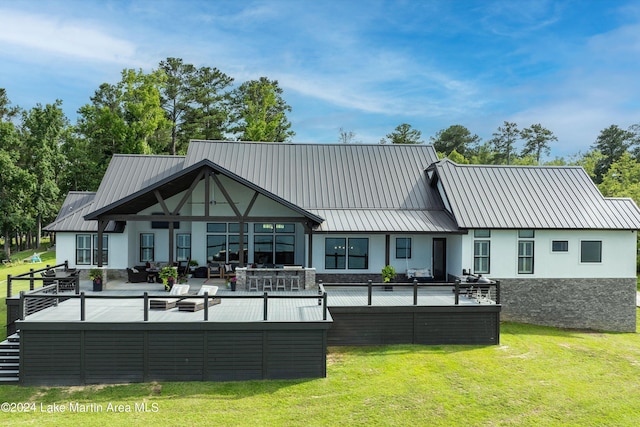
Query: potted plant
x,y
95,274
168,275
388,274
232,283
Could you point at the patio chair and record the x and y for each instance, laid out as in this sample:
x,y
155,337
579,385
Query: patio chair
x,y
167,303
195,304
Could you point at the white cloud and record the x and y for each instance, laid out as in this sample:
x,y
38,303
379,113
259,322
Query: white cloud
x,y
30,34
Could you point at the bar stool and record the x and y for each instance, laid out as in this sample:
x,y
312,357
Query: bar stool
x,y
253,282
295,277
281,282
264,283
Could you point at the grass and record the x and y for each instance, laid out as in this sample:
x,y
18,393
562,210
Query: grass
x,y
537,376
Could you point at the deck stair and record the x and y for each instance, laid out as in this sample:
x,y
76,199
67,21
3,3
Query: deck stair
x,y
10,360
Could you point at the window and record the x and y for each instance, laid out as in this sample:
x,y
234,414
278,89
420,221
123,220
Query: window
x,y
559,246
591,251
481,253
105,249
274,243
526,234
83,249
358,253
183,247
483,233
525,257
335,251
87,249
147,247
341,253
223,246
403,247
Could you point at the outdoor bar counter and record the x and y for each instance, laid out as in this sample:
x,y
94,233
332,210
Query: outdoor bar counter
x,y
307,276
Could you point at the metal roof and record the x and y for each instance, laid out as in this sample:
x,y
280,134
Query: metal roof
x,y
537,197
330,176
386,220
130,173
76,205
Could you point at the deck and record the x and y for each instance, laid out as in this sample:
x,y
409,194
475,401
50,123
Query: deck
x,y
104,337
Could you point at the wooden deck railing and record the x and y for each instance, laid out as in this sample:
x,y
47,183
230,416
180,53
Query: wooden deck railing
x,y
321,297
33,279
467,288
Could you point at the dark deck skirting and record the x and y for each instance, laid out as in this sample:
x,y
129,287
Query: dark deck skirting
x,y
376,325
93,353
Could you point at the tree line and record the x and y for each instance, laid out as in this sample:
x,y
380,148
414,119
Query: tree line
x,y
43,156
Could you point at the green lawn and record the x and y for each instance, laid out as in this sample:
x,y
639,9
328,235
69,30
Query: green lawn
x,y
537,376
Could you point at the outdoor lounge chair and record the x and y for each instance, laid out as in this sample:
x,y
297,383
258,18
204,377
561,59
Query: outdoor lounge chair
x,y
195,304
167,303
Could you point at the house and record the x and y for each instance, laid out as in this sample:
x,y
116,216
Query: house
x,y
565,255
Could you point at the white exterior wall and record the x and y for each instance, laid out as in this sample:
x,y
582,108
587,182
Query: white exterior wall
x,y
66,249
618,254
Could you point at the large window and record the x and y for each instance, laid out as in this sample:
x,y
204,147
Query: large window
x,y
87,249
403,247
83,249
147,247
274,243
183,247
335,253
481,256
341,253
525,257
591,251
223,242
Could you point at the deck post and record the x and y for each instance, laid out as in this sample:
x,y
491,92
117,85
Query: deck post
x,y
415,291
369,292
457,291
320,288
21,306
266,298
82,307
8,286
146,306
31,279
206,306
324,306
497,292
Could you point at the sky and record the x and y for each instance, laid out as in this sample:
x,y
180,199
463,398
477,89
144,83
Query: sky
x,y
361,66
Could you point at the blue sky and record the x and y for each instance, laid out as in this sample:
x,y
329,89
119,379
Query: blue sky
x,y
364,66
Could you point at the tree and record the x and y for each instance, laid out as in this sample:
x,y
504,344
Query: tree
x,y
347,137
208,114
622,178
176,93
260,112
504,140
405,134
537,140
612,142
455,138
44,130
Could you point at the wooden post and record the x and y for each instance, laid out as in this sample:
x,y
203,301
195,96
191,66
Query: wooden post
x,y
206,306
82,307
320,287
31,279
415,291
324,306
146,306
457,292
8,286
266,297
369,292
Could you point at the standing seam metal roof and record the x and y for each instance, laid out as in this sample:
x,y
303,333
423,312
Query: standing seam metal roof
x,y
531,197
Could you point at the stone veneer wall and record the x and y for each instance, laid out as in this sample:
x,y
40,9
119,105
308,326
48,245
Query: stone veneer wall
x,y
599,304
356,278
